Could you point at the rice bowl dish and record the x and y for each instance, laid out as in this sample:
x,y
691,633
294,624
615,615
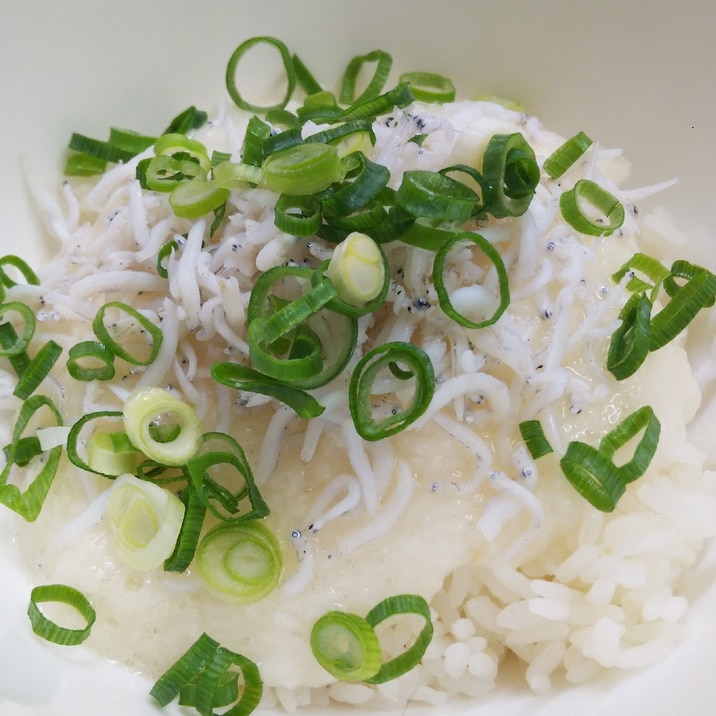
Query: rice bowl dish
x,y
513,560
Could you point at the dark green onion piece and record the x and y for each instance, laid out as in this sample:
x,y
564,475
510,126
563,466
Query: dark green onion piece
x,y
346,646
566,155
189,533
225,692
257,132
163,254
401,664
535,439
38,369
238,54
433,195
90,360
685,302
591,210
593,475
365,375
198,468
430,87
99,149
383,62
20,265
510,170
190,118
644,420
46,628
298,215
165,173
12,344
399,96
154,333
306,81
439,280
29,503
629,344
243,378
650,267
369,181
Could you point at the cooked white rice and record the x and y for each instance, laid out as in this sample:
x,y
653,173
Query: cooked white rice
x,y
512,560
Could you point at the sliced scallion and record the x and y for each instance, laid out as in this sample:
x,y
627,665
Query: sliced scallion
x,y
430,87
566,155
590,209
44,627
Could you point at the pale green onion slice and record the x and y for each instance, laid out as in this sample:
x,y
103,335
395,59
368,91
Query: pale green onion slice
x,y
303,169
591,210
148,407
48,629
346,646
241,561
357,269
145,520
192,199
404,662
182,147
111,453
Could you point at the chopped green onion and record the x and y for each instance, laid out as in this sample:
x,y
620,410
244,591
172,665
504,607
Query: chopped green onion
x,y
383,62
644,420
164,253
190,118
9,344
83,165
346,646
98,149
591,210
369,180
147,407
189,532
240,560
479,299
534,437
433,195
208,488
38,369
399,96
686,301
20,343
154,339
90,360
257,132
181,147
165,173
29,503
510,170
230,175
593,475
364,378
49,630
242,377
16,262
306,81
566,155
430,87
629,344
111,453
302,169
145,520
129,140
401,664
198,679
297,215
192,199
358,270
650,267
232,66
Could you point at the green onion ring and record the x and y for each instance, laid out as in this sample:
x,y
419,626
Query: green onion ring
x,y
439,280
588,192
298,215
22,341
535,439
629,344
383,62
430,87
566,155
16,262
46,628
365,374
238,54
401,604
104,336
433,195
95,351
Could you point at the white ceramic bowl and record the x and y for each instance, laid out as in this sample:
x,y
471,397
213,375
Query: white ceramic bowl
x,y
632,74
